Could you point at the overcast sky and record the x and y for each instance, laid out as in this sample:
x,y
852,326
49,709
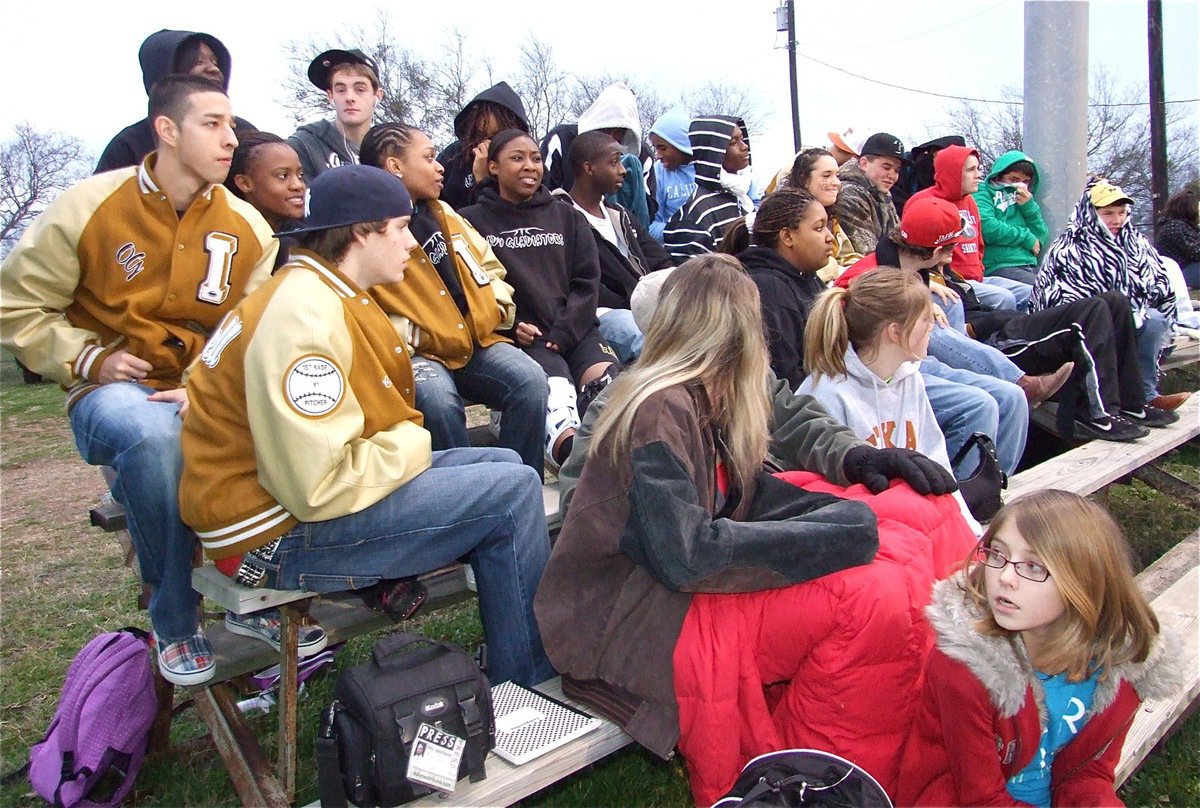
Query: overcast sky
x,y
76,70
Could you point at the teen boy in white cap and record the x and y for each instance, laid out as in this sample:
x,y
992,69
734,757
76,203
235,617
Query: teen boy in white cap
x,y
306,465
350,80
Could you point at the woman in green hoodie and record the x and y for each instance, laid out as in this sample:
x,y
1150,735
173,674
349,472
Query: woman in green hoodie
x,y
1011,220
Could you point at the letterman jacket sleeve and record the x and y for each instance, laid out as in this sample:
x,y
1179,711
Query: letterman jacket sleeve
x,y
490,264
319,467
38,282
583,293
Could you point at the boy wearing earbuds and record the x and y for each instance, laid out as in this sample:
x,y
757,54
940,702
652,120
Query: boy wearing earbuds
x,y
350,80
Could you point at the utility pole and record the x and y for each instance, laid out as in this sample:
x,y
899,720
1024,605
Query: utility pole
x,y
1158,109
785,20
1054,130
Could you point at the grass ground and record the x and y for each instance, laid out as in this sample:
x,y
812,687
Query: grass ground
x,y
61,582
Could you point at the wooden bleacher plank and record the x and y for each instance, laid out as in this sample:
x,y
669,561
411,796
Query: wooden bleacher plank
x,y
1088,468
1185,351
1179,608
220,589
1170,567
550,504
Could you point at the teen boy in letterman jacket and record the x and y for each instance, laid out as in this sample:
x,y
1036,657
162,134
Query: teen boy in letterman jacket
x,y
112,293
306,465
721,155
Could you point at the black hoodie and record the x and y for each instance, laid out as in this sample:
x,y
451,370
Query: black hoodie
x,y
550,255
696,227
787,297
157,58
458,189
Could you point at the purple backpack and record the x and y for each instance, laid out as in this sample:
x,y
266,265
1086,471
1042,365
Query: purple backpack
x,y
95,744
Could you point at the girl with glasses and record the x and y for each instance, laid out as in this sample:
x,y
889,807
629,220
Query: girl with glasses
x,y
1045,648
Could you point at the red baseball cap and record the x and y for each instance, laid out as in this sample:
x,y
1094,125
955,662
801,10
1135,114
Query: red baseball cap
x,y
932,222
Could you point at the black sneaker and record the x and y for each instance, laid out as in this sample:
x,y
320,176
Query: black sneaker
x,y
1152,417
1112,428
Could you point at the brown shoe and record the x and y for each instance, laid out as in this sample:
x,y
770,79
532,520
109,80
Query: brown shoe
x,y
1039,388
1170,402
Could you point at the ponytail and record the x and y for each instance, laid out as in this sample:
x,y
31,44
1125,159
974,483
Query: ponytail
x,y
856,315
827,335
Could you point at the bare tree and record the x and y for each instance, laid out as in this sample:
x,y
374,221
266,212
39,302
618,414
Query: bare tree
x,y
723,98
544,88
1118,137
415,90
34,168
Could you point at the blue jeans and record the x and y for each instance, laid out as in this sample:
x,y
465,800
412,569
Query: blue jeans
x,y
1020,291
503,377
477,503
966,402
955,314
115,425
994,298
622,334
1151,339
960,351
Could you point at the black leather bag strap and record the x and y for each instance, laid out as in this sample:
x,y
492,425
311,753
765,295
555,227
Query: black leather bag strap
x,y
329,765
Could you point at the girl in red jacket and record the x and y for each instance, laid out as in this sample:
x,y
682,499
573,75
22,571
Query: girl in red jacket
x,y
1045,649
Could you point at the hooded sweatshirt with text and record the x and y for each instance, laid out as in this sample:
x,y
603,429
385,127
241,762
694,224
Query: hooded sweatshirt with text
x,y
550,254
1010,231
947,184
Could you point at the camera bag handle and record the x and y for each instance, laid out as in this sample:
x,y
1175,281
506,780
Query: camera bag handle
x,y
329,765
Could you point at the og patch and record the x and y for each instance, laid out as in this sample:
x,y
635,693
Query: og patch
x,y
314,386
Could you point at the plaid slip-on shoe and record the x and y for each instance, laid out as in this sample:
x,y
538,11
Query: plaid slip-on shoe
x,y
186,662
267,625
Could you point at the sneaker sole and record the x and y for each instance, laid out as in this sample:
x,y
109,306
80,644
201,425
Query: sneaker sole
x,y
303,651
187,679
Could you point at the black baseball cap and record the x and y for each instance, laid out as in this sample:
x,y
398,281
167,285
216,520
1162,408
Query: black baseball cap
x,y
349,195
318,69
881,144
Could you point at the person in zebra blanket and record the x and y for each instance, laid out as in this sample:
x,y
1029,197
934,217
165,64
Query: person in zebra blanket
x,y
1101,250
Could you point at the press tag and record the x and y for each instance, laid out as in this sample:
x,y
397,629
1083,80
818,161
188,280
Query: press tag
x,y
464,252
435,758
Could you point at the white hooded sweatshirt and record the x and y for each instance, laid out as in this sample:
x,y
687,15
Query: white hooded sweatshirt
x,y
886,414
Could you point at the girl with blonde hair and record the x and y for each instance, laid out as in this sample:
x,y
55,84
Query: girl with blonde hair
x,y
673,502
863,347
1045,649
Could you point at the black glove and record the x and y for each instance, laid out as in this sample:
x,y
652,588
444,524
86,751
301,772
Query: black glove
x,y
876,468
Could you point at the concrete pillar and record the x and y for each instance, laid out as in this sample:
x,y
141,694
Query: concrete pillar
x,y
1054,132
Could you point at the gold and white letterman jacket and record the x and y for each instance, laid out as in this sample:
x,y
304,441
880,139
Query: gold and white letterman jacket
x,y
425,314
110,265
301,411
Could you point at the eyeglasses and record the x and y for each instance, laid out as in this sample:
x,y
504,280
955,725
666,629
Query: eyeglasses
x,y
1029,570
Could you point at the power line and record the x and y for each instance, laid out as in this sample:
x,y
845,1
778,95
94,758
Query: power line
x,y
969,98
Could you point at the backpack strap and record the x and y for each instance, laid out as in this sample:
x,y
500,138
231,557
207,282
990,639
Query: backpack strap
x,y
329,764
473,721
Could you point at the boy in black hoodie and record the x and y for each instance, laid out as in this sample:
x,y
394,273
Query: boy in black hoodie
x,y
626,252
554,270
495,109
163,53
721,155
350,80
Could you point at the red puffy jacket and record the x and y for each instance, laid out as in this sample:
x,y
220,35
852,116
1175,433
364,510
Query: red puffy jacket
x,y
832,664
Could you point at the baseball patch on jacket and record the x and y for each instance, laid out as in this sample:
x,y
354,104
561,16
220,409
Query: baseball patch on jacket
x,y
314,386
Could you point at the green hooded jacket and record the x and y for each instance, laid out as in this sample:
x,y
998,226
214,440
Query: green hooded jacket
x,y
1009,230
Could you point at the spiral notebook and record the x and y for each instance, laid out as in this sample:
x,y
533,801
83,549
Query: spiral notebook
x,y
530,724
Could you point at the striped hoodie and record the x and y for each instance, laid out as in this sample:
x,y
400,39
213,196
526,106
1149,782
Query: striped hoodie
x,y
698,226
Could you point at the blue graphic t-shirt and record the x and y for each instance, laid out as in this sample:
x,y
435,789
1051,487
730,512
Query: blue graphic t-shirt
x,y
1068,706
